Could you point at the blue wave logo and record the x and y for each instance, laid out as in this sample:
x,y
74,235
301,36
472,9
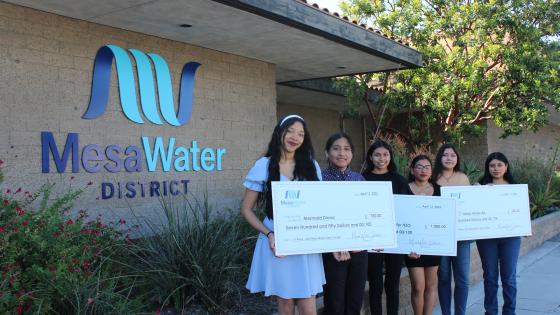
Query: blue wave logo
x,y
292,194
127,86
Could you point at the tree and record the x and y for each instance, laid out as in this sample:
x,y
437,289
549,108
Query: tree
x,y
483,60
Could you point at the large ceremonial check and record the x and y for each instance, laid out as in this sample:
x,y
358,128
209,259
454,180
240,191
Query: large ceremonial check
x,y
490,211
318,217
425,225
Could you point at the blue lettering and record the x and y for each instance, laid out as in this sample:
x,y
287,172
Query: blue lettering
x,y
154,189
183,157
173,187
221,152
185,182
131,190
159,151
113,154
107,194
194,152
207,159
91,152
133,163
71,146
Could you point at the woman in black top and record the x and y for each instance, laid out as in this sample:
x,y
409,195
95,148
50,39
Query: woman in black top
x,y
381,167
422,269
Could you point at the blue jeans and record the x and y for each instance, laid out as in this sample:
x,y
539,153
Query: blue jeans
x,y
499,257
460,265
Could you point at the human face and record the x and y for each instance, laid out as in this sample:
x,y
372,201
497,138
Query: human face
x,y
422,170
381,159
497,169
293,137
449,159
340,154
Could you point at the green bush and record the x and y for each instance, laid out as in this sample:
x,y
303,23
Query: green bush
x,y
53,264
536,174
470,168
195,256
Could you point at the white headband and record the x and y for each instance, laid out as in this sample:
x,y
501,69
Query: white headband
x,y
288,117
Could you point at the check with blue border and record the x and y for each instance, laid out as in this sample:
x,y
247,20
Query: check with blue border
x,y
425,225
318,217
491,211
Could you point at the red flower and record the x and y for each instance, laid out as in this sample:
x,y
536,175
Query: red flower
x,y
56,234
19,309
6,202
85,264
69,222
2,230
12,279
1,162
19,211
25,223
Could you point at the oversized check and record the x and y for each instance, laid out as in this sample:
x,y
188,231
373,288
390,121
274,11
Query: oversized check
x,y
425,225
318,217
491,211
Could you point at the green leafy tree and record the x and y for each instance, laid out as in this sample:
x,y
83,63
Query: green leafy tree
x,y
483,60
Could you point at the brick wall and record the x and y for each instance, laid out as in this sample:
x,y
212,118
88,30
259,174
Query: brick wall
x,y
45,80
535,144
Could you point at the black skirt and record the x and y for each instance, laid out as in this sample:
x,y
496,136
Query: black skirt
x,y
423,261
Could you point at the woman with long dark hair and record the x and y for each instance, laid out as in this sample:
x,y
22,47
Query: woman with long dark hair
x,y
422,268
380,166
346,272
295,279
447,172
499,255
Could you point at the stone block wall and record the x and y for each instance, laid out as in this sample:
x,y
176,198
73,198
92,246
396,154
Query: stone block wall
x,y
46,64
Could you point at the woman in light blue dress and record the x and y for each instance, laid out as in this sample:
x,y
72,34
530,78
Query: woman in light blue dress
x,y
294,279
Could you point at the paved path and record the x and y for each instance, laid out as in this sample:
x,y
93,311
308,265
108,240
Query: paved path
x,y
538,283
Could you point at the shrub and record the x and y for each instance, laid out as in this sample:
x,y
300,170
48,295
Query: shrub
x,y
470,168
53,264
195,256
537,174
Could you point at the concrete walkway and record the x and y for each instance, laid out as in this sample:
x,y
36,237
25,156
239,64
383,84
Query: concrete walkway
x,y
538,283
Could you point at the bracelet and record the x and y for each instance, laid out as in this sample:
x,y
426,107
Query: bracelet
x,y
267,234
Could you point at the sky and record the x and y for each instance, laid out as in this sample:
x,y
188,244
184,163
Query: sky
x,y
332,5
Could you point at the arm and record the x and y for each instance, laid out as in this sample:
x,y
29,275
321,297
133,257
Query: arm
x,y
249,201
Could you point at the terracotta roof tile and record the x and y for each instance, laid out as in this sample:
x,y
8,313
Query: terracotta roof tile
x,y
346,19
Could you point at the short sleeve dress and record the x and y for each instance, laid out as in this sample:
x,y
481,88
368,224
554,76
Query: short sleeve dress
x,y
289,277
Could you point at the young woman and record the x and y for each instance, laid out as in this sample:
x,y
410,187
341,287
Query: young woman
x,y
295,279
422,269
381,167
498,255
346,272
447,172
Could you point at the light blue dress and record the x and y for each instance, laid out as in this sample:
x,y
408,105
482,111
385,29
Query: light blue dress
x,y
289,277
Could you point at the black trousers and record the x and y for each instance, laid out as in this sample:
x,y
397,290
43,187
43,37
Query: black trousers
x,y
346,281
393,266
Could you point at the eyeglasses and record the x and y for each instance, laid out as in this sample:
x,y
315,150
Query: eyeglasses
x,y
423,167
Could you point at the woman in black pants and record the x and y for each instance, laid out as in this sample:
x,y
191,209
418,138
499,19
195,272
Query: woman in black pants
x,y
346,272
381,167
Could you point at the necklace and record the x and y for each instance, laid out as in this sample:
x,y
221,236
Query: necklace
x,y
420,190
447,178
